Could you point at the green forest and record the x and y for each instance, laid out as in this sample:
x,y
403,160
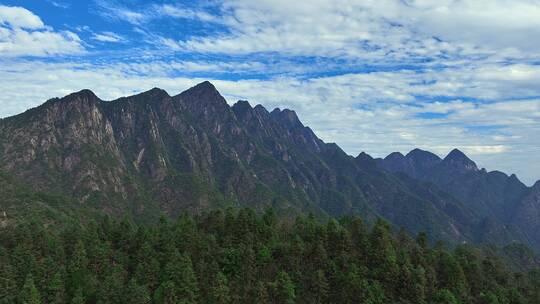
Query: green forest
x,y
239,256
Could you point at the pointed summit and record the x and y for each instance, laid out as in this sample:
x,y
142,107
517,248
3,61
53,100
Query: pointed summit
x,y
82,94
459,159
287,117
456,154
394,156
242,104
152,94
364,155
203,95
204,90
204,86
242,109
422,156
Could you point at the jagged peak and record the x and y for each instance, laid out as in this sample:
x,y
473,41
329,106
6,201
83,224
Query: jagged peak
x,y
154,93
288,115
242,104
261,109
456,154
422,155
394,155
205,86
242,108
82,94
364,156
203,95
457,157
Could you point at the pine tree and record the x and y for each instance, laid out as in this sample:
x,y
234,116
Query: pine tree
x,y
284,289
8,278
180,271
451,276
56,293
166,294
382,255
318,287
445,296
77,269
78,297
111,289
29,293
219,291
136,293
261,294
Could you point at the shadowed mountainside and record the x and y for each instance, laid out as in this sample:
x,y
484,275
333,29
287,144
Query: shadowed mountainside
x,y
152,153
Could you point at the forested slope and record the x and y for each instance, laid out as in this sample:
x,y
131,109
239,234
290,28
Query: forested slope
x,y
240,257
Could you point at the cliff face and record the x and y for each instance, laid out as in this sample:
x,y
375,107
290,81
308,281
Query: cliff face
x,y
153,153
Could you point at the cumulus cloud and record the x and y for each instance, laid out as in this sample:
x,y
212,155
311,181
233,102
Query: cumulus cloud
x,y
18,17
22,33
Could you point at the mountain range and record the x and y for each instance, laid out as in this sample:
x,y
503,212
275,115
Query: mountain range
x,y
153,153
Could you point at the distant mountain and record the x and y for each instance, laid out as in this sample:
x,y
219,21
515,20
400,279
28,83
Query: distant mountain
x,y
151,153
501,200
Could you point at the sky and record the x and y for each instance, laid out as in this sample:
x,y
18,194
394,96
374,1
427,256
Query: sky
x,y
370,75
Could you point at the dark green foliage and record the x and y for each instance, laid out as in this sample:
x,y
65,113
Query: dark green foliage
x,y
219,291
29,293
236,256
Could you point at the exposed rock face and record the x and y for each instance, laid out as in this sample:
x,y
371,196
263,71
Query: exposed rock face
x,y
152,152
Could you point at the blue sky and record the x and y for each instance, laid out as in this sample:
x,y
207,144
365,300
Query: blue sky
x,y
374,76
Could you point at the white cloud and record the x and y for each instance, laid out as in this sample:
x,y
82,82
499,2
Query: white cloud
x,y
377,30
22,33
18,17
182,12
111,9
107,37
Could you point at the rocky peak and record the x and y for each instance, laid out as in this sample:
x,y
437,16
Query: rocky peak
x,y
366,160
261,110
242,109
394,156
203,89
287,117
82,94
154,93
364,155
458,159
422,156
202,97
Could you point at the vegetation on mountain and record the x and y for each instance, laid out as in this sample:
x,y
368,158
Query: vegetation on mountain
x,y
152,153
237,256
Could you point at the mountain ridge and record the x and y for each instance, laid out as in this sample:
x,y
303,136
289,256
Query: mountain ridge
x,y
152,152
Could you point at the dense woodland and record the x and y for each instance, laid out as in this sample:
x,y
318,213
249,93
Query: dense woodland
x,y
228,256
